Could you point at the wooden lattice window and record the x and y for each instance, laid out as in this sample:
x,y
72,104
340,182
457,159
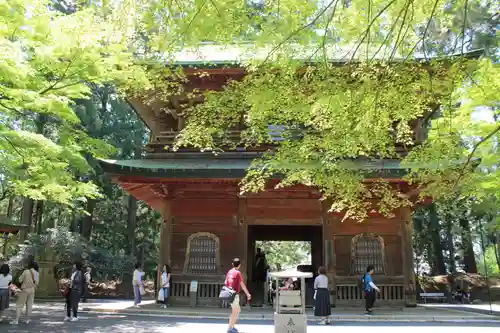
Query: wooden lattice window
x,y
367,249
202,255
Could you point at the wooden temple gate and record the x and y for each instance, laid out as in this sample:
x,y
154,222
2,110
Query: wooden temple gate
x,y
207,223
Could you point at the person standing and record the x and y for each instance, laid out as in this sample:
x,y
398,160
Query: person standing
x,y
369,289
259,273
87,277
137,284
322,306
5,280
27,295
75,293
234,281
165,284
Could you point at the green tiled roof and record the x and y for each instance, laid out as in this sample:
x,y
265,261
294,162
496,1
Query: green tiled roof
x,y
234,54
228,167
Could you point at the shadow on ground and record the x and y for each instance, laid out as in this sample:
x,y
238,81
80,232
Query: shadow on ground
x,y
129,323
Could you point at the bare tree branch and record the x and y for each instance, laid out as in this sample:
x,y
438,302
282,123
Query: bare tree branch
x,y
367,30
464,26
296,31
422,40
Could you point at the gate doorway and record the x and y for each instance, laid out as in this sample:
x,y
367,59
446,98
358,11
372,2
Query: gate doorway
x,y
300,233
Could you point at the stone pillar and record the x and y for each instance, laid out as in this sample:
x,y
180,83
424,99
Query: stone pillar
x,y
407,254
47,285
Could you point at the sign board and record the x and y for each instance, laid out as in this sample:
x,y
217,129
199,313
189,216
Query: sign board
x,y
290,323
194,286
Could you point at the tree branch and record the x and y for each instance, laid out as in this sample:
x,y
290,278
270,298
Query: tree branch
x,y
473,151
367,30
296,31
464,26
59,80
425,32
13,110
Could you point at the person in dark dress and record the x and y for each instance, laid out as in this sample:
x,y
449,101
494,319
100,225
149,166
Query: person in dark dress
x,y
322,307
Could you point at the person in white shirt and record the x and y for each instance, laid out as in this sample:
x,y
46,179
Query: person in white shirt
x,y
87,278
137,284
322,307
5,280
165,284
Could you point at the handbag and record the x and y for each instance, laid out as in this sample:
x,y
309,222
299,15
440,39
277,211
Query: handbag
x,y
65,291
161,294
227,294
141,290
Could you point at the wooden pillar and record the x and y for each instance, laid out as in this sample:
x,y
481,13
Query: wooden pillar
x,y
408,263
241,245
165,236
329,253
241,242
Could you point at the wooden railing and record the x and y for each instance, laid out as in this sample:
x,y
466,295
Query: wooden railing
x,y
206,295
179,289
209,290
389,292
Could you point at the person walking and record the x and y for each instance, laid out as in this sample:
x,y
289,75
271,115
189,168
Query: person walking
x,y
322,306
165,284
234,281
369,289
87,278
137,284
5,280
75,293
26,297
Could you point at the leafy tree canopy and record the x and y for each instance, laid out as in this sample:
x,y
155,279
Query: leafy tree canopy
x,y
329,113
47,61
361,106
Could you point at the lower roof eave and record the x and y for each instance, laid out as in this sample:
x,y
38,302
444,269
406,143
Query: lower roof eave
x,y
226,169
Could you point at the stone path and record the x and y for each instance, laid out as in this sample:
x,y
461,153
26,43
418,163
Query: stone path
x,y
149,308
51,322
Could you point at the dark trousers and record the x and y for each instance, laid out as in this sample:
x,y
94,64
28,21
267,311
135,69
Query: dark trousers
x,y
370,297
85,292
72,301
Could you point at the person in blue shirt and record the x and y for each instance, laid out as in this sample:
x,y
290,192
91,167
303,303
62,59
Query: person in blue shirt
x,y
369,288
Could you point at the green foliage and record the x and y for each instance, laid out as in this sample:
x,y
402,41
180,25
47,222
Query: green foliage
x,y
492,268
47,62
286,254
332,114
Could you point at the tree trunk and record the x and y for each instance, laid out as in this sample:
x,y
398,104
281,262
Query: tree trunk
x,y
131,224
73,227
497,248
27,216
39,217
469,257
438,266
86,222
450,245
10,207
